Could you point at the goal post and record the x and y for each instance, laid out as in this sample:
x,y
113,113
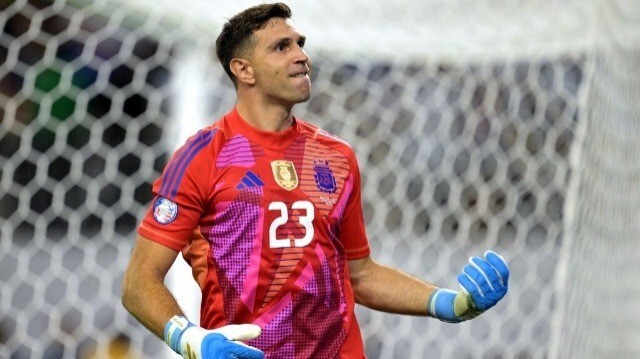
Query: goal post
x,y
597,274
477,124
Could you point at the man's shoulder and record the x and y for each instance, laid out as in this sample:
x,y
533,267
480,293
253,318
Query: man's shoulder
x,y
202,136
325,137
221,129
206,141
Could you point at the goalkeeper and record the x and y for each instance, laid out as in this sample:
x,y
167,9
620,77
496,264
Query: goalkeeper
x,y
266,208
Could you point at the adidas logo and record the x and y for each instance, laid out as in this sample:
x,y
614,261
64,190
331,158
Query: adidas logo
x,y
249,180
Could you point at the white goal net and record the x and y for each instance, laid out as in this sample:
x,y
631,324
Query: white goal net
x,y
511,125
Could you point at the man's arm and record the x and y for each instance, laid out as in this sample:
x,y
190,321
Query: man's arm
x,y
146,297
387,289
483,282
144,294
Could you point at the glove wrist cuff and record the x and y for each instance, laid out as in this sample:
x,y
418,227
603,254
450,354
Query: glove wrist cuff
x,y
173,331
441,305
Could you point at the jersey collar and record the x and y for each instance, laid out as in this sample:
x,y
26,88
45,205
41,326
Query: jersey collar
x,y
271,140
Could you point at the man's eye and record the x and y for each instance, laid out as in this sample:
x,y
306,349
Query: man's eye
x,y
280,47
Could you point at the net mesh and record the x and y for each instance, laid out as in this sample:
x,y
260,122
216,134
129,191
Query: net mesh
x,y
84,102
597,278
511,153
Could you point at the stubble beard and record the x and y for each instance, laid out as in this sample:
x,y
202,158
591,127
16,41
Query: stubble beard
x,y
292,95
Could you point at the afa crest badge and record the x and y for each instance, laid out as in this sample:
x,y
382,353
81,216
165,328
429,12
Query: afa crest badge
x,y
324,177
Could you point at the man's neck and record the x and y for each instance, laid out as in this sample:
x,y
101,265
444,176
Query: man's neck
x,y
265,117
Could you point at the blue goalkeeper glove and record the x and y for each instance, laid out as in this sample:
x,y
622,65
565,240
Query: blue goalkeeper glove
x,y
483,282
193,342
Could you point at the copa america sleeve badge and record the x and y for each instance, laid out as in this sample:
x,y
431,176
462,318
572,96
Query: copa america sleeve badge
x,y
164,210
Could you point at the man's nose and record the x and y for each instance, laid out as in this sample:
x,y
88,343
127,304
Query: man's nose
x,y
301,55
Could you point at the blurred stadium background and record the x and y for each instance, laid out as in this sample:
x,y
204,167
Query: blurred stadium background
x,y
505,124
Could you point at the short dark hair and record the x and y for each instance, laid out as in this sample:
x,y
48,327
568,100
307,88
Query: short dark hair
x,y
237,32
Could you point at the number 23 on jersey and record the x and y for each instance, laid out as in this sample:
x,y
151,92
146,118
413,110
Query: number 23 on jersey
x,y
305,219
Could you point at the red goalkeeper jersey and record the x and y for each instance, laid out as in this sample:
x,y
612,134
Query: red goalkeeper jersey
x,y
267,222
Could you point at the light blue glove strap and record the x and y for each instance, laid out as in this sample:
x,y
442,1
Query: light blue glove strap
x,y
173,331
440,305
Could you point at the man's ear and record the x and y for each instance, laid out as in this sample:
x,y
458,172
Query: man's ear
x,y
243,71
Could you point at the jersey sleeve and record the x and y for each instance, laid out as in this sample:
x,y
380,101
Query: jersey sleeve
x,y
352,229
180,194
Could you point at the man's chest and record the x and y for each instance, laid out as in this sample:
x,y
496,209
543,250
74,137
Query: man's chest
x,y
313,179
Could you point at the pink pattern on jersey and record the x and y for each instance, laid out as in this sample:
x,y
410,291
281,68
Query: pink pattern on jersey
x,y
277,328
326,273
305,277
236,152
317,331
338,211
233,244
340,265
248,295
319,321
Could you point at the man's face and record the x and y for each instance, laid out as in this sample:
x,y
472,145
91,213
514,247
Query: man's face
x,y
281,66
